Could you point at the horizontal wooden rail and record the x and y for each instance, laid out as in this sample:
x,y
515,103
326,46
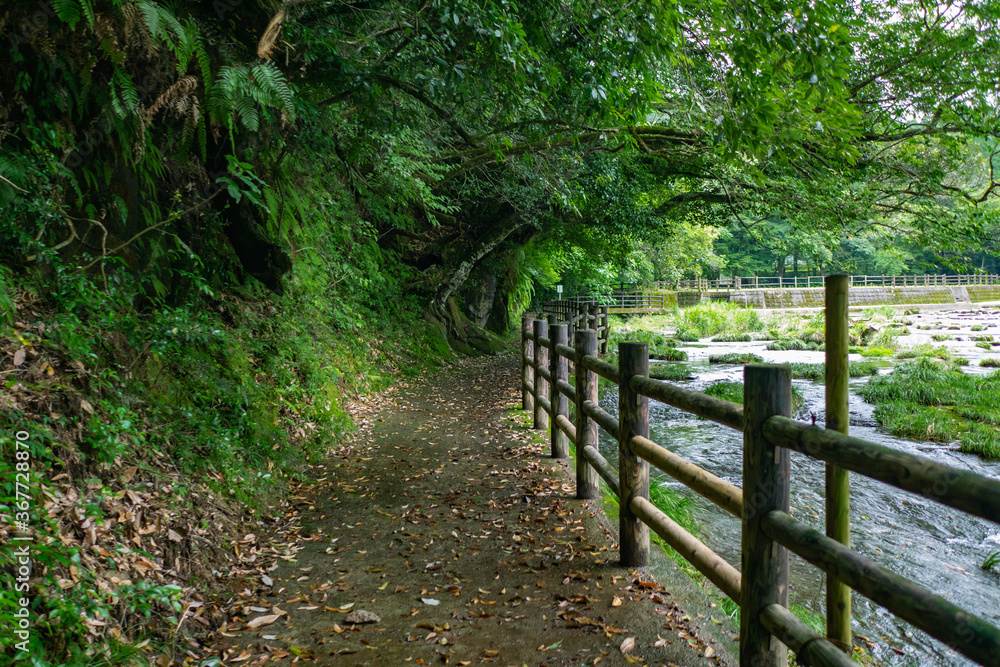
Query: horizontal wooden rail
x,y
604,418
544,402
602,467
567,427
716,409
809,647
768,531
709,563
967,634
727,496
565,351
961,489
602,368
568,390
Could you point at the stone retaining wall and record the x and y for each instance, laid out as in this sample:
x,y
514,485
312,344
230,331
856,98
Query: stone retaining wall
x,y
983,292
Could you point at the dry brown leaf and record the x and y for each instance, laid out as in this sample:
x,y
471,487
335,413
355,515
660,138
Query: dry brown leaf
x,y
627,645
19,357
262,621
617,602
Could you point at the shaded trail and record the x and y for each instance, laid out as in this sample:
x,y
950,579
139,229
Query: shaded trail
x,y
448,522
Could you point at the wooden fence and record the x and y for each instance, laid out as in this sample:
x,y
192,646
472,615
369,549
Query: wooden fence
x,y
578,315
791,282
768,530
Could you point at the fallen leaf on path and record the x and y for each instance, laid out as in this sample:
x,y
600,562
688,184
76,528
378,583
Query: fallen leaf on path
x,y
262,620
627,645
430,601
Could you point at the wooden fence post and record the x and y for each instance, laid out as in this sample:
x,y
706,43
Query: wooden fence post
x,y
633,472
527,358
585,343
559,369
541,384
767,392
838,483
605,330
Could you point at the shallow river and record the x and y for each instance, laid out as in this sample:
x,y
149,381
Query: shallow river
x,y
939,548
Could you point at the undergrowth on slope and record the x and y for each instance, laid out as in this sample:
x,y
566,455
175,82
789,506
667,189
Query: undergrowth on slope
x,y
164,431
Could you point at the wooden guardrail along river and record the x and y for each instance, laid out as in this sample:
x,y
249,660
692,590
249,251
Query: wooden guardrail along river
x,y
769,532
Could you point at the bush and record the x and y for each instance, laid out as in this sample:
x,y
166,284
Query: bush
x,y
736,358
670,372
713,318
783,344
733,338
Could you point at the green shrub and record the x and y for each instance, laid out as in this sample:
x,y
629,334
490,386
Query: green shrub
x,y
670,372
743,337
932,399
713,318
818,371
736,358
733,392
990,362
783,344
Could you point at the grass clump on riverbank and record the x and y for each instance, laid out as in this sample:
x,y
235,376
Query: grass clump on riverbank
x,y
713,318
736,358
643,330
856,369
670,372
733,392
932,400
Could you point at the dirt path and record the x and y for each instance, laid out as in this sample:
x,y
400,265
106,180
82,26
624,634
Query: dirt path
x,y
449,525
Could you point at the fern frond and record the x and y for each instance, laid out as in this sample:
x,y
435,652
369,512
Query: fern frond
x,y
68,11
127,89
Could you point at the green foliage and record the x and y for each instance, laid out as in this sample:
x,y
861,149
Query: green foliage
x,y
733,392
741,358
932,399
818,371
712,318
670,372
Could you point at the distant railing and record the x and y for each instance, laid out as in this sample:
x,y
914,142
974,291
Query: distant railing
x,y
768,530
791,282
581,315
605,301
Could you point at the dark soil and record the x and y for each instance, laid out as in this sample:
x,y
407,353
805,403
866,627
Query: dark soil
x,y
449,523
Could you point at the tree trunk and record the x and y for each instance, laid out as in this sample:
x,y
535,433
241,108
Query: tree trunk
x,y
493,238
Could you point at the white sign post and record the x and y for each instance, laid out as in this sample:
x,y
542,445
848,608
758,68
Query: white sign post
x,y
559,290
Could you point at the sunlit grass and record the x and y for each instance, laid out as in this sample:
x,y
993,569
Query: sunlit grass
x,y
930,399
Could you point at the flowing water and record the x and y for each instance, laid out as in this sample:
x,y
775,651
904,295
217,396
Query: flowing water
x,y
940,548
